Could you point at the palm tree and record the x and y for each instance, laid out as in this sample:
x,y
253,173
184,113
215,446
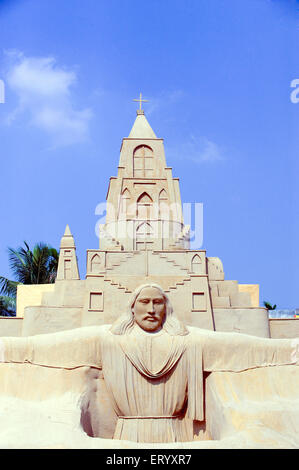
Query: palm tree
x,y
38,266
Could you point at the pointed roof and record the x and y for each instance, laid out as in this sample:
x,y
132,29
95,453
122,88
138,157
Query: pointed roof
x,y
67,241
141,128
67,230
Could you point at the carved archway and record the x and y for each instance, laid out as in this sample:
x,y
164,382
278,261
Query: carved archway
x,y
196,264
125,201
144,207
95,264
163,205
143,162
144,236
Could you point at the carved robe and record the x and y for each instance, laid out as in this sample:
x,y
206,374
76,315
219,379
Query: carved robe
x,y
148,376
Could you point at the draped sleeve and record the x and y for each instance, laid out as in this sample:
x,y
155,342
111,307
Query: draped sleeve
x,y
195,405
236,352
65,349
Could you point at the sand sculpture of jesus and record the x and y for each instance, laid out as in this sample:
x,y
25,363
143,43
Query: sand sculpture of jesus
x,y
152,364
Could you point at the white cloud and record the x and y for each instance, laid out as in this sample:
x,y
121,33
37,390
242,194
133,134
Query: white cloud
x,y
202,149
197,149
44,91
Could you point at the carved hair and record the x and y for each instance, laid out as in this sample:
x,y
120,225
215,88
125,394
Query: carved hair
x,y
171,324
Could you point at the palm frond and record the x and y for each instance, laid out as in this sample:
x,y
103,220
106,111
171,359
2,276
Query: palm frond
x,y
20,263
7,306
8,287
37,266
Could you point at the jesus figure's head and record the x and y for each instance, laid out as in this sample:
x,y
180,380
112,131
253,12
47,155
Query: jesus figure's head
x,y
149,308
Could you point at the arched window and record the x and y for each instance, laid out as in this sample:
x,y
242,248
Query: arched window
x,y
95,264
163,204
125,201
143,162
144,236
196,264
144,206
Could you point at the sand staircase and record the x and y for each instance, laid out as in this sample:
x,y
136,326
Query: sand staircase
x,y
183,239
109,241
177,285
120,267
163,271
117,259
180,270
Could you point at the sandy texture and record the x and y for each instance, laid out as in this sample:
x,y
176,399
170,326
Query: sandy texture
x,y
61,401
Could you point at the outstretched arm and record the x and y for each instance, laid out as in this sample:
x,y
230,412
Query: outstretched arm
x,y
236,351
66,349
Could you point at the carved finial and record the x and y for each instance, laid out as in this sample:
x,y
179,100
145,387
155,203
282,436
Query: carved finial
x,y
67,238
140,100
67,231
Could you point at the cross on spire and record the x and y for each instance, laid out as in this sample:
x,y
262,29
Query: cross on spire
x,y
140,100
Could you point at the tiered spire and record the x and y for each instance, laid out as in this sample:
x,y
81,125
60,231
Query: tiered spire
x,y
144,210
67,264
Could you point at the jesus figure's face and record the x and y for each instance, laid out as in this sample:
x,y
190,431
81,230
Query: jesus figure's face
x,y
149,309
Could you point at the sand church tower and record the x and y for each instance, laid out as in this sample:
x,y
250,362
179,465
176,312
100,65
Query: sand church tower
x,y
144,210
143,240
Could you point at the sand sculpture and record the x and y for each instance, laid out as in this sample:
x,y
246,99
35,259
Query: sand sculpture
x,y
75,373
145,238
153,368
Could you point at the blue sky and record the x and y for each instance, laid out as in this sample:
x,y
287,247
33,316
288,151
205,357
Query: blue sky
x,y
217,75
